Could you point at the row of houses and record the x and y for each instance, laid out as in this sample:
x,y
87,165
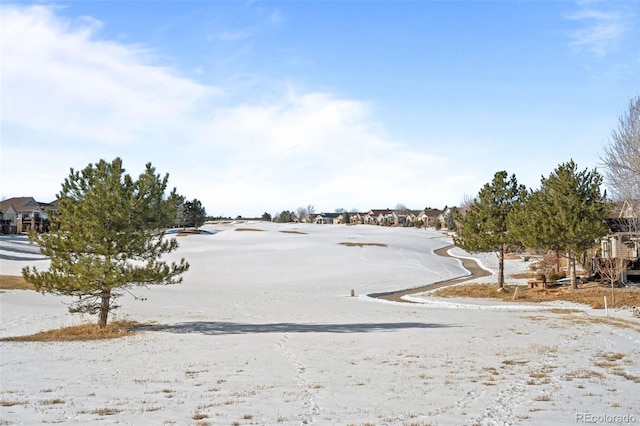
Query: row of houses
x,y
386,217
22,214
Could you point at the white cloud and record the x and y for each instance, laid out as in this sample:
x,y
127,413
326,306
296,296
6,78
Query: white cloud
x,y
63,81
599,31
70,98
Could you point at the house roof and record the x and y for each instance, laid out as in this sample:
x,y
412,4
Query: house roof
x,y
330,215
377,212
20,204
433,212
621,209
26,204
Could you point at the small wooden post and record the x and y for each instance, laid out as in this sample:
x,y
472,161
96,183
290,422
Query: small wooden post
x,y
606,309
353,292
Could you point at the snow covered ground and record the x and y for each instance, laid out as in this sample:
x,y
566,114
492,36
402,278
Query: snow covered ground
x,y
264,331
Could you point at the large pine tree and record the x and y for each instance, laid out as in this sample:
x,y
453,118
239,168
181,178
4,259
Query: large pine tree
x,y
566,215
107,237
483,227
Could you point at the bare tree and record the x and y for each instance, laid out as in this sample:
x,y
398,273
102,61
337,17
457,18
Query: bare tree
x,y
467,200
621,158
303,211
611,270
401,207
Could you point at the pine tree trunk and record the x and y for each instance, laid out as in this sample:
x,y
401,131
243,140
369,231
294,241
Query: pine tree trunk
x,y
572,270
501,268
105,297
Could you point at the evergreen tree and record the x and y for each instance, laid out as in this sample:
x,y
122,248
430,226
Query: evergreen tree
x,y
566,215
451,219
483,227
107,238
195,213
284,217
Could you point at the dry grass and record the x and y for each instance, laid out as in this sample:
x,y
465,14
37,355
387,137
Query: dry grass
x,y
294,232
11,403
615,322
584,295
523,275
107,411
53,401
82,332
11,282
352,244
618,322
249,229
187,232
199,416
515,361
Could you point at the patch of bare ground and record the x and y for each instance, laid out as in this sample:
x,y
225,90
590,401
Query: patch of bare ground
x,y
353,244
591,296
568,315
187,232
293,232
616,322
249,229
81,332
11,282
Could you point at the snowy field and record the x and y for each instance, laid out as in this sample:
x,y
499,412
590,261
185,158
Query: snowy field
x,y
264,331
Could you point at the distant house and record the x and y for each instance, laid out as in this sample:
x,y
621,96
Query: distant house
x,y
429,216
309,218
22,214
386,217
356,218
8,220
623,240
446,216
327,218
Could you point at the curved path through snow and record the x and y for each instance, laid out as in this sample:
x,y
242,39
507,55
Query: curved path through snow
x,y
469,264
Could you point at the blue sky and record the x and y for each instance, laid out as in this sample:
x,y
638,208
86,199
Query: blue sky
x,y
265,106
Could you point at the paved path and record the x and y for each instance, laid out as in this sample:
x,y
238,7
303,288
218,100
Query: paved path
x,y
469,264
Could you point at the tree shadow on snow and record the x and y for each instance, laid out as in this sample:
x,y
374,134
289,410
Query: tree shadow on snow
x,y
214,328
